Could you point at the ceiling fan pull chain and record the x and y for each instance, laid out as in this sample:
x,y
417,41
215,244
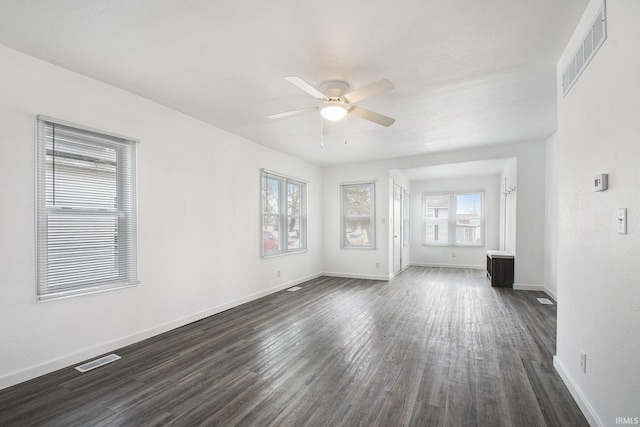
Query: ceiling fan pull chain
x,y
321,131
345,130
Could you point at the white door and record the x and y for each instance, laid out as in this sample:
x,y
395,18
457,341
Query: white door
x,y
397,228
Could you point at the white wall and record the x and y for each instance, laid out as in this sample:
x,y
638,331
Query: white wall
x,y
364,263
199,222
466,257
598,272
529,266
551,219
509,207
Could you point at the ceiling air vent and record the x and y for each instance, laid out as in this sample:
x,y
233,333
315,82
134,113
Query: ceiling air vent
x,y
594,38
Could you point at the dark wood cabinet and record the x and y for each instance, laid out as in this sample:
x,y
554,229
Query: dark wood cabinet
x,y
500,266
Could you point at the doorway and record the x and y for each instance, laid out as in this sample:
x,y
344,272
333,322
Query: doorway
x,y
397,228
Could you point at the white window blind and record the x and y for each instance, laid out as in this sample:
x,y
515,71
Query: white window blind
x,y
86,210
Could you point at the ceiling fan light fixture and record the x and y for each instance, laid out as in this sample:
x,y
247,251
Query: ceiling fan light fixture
x,y
333,112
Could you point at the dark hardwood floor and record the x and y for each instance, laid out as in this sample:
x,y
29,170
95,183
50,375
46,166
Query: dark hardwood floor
x,y
432,347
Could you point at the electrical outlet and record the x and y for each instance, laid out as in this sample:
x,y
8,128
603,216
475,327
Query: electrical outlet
x,y
453,254
583,362
377,265
278,273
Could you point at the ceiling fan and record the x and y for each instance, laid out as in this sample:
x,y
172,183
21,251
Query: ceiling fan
x,y
338,100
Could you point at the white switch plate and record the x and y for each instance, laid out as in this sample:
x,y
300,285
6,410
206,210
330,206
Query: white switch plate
x,y
622,221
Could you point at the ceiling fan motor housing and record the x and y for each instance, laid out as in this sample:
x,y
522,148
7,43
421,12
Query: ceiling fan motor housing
x,y
334,88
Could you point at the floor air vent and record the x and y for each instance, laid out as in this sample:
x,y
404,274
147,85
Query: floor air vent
x,y
594,38
97,363
545,301
295,288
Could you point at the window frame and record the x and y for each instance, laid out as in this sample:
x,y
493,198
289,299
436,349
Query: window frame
x,y
124,272
284,216
452,218
344,241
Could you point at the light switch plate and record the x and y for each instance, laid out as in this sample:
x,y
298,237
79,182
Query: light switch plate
x,y
622,221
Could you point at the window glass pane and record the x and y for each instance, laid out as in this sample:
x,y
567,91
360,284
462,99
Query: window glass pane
x,y
270,234
358,200
437,218
294,199
83,249
293,233
469,218
358,231
357,215
271,195
79,175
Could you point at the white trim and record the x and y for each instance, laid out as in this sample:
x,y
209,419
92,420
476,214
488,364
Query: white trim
x,y
528,287
551,294
584,405
291,178
430,264
357,276
44,118
90,353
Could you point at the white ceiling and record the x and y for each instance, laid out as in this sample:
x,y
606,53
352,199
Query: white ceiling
x,y
467,73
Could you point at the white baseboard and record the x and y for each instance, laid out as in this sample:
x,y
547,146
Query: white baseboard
x,y
93,352
431,264
578,396
357,276
526,287
551,294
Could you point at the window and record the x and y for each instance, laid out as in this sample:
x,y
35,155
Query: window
x,y
358,222
86,210
454,219
284,214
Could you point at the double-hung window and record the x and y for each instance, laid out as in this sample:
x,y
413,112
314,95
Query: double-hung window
x,y
453,219
358,219
86,210
284,214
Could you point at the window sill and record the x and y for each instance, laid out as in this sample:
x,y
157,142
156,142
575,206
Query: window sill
x,y
78,293
279,254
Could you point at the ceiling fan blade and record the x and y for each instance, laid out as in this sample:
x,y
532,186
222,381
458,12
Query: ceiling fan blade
x,y
290,113
368,91
306,87
371,116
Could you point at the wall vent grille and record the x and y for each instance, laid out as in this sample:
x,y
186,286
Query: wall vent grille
x,y
592,41
97,363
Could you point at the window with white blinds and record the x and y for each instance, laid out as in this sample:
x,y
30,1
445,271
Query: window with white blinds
x,y
86,210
